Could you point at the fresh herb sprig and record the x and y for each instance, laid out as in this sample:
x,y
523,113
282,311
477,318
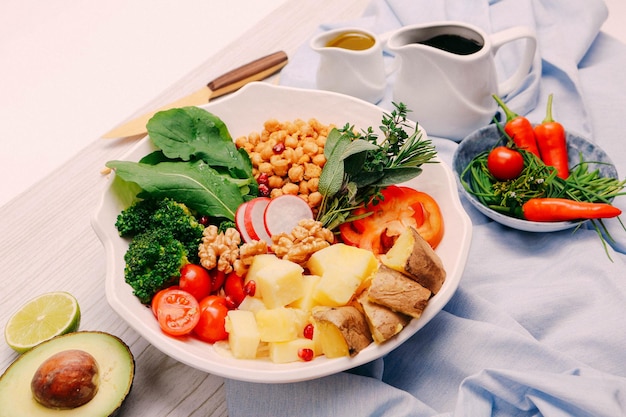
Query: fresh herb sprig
x,y
359,165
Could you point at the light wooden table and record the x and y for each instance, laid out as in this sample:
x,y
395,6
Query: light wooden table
x,y
47,243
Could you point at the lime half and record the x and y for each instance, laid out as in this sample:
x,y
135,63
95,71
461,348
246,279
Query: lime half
x,y
42,318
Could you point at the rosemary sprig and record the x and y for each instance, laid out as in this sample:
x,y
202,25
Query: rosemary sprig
x,y
359,165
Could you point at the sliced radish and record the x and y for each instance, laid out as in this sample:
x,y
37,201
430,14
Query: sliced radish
x,y
240,215
284,213
254,219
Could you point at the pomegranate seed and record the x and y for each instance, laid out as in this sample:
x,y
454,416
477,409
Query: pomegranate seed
x,y
279,147
264,190
230,303
250,288
308,331
204,220
306,354
263,178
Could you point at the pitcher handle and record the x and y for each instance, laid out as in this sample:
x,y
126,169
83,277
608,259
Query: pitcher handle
x,y
500,38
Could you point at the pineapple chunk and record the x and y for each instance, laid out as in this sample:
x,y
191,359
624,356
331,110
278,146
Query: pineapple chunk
x,y
252,304
307,301
258,262
285,352
243,334
357,261
280,282
277,324
336,288
343,270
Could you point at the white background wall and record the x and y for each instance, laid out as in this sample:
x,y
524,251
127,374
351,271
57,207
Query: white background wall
x,y
70,71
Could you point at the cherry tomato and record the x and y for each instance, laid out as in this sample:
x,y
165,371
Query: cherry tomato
x,y
233,288
210,327
217,279
158,296
195,280
178,312
400,208
505,163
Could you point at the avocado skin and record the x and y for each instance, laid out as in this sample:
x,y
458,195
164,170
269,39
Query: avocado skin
x,y
16,399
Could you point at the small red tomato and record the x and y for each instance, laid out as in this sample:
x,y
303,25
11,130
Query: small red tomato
x,y
233,288
195,280
178,312
157,297
210,327
505,163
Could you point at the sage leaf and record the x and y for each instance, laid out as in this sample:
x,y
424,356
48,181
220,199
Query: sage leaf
x,y
331,177
195,183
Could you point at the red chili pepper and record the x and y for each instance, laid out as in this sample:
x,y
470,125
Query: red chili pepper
x,y
550,136
563,209
519,129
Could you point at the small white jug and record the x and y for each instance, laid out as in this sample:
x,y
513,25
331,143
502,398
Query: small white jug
x,y
447,74
351,62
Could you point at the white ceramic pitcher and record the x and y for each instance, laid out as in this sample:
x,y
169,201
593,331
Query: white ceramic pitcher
x,y
447,74
357,71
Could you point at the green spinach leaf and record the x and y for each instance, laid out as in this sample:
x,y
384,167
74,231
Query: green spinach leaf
x,y
195,183
191,133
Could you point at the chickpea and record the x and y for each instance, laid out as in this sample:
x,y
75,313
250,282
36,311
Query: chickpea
x,y
319,160
304,159
267,151
281,166
303,187
290,155
296,173
276,192
312,171
275,181
321,141
256,158
313,184
315,199
310,148
291,141
290,188
241,141
278,136
254,138
266,168
272,125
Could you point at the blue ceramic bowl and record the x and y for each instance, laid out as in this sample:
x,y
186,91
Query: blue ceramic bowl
x,y
488,136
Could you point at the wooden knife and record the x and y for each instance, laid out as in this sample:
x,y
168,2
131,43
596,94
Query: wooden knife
x,y
256,70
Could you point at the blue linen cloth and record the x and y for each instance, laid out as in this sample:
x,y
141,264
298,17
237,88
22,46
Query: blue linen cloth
x,y
536,327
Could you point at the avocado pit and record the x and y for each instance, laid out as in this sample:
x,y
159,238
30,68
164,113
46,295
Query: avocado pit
x,y
67,379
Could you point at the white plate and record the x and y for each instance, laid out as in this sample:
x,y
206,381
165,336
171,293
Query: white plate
x,y
245,112
487,137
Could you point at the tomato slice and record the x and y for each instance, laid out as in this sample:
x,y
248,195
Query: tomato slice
x,y
178,312
210,327
399,208
158,296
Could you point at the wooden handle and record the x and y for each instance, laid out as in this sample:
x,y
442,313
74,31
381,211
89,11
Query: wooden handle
x,y
256,70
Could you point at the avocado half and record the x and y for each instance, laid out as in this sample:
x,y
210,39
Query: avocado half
x,y
115,362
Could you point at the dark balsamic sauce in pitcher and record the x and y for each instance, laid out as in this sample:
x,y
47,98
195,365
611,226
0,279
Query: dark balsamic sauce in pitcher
x,y
454,44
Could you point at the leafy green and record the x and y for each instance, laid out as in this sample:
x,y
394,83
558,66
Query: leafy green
x,y
196,163
193,133
195,184
358,166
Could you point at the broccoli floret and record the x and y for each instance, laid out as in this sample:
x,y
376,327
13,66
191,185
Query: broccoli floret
x,y
153,261
165,215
